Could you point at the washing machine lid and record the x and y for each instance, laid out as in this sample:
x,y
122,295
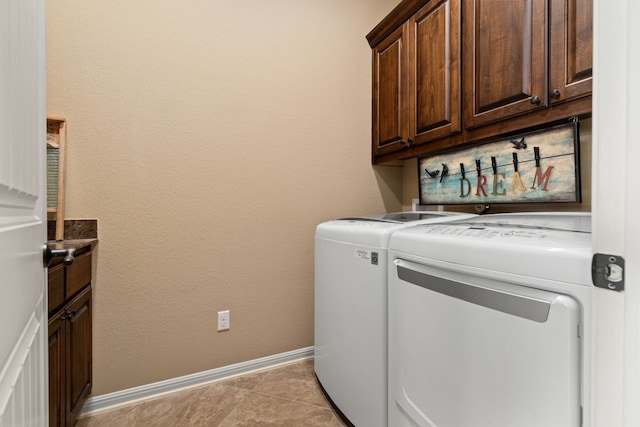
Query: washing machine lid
x,y
374,231
401,217
553,246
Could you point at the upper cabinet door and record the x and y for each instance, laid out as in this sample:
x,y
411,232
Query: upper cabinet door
x,y
434,34
391,93
505,57
571,52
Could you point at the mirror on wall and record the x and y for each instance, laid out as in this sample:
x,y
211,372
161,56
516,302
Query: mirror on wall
x,y
56,156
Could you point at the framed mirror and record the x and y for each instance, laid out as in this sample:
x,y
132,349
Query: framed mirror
x,y
56,159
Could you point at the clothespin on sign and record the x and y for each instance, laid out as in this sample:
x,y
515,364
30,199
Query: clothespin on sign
x,y
494,165
462,170
515,162
478,167
536,153
445,172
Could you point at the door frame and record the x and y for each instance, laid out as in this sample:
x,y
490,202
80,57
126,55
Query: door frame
x,y
616,148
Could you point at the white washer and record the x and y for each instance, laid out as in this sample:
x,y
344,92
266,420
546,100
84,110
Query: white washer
x,y
489,322
351,310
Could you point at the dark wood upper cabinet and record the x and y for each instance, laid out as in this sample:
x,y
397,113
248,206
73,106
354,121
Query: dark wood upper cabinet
x,y
505,59
416,79
447,73
434,52
571,49
390,93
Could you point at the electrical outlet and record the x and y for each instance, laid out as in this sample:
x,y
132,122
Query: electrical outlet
x,y
224,320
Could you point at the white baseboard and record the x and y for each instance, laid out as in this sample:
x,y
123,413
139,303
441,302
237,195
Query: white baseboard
x,y
131,395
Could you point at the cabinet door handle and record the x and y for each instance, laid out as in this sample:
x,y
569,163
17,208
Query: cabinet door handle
x,y
555,94
406,143
535,100
68,315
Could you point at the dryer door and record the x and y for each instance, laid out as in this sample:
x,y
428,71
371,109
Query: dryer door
x,y
469,351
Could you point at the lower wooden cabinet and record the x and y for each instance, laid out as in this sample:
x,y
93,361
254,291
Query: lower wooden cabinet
x,y
70,342
56,371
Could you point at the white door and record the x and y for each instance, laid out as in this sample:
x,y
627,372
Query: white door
x,y
23,323
616,202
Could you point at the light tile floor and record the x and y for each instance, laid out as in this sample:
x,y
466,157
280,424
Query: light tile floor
x,y
288,396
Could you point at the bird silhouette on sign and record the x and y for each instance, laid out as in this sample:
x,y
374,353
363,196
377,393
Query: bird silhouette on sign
x,y
432,174
519,144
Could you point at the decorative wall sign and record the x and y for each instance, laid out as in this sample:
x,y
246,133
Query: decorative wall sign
x,y
535,167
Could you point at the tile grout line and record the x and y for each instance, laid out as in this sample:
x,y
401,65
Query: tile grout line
x,y
255,391
252,391
290,400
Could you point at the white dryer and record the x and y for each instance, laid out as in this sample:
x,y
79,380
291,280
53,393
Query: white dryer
x,y
351,310
489,322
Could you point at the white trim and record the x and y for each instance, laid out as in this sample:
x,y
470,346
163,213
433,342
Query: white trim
x,y
135,394
616,108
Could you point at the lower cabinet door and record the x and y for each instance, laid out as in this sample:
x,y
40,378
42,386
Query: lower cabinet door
x,y
79,353
56,371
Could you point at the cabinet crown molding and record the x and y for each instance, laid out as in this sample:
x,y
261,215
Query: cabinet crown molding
x,y
401,13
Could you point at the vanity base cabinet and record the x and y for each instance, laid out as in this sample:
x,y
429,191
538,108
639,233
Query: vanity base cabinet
x,y
70,342
56,371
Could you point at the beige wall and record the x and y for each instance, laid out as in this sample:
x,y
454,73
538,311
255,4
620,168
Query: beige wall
x,y
411,191
209,138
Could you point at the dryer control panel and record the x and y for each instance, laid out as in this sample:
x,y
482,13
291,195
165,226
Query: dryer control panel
x,y
486,232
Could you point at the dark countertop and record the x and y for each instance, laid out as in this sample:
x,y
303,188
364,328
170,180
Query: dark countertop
x,y
76,244
81,236
80,247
